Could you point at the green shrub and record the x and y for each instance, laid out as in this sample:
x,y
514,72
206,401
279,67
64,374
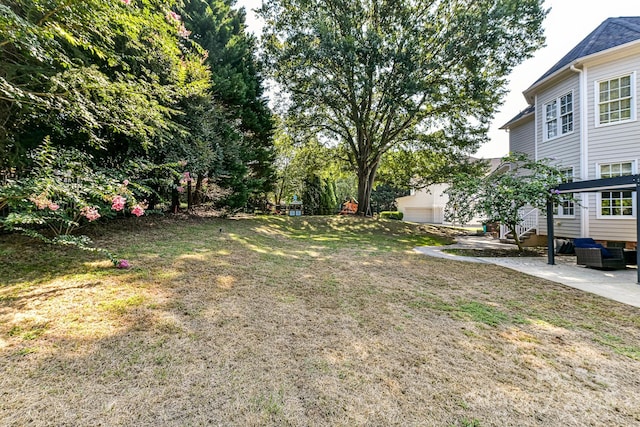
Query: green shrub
x,y
392,215
62,193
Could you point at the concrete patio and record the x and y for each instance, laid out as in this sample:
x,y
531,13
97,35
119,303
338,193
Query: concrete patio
x,y
618,285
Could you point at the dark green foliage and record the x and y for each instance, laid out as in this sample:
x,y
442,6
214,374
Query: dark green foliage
x,y
383,197
392,215
120,81
409,167
318,196
100,76
244,125
312,195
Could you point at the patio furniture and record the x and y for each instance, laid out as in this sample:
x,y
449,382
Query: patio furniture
x,y
592,254
631,257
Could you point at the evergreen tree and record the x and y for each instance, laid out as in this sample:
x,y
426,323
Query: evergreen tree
x,y
246,147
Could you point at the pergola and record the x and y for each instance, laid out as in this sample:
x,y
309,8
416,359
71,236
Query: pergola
x,y
619,183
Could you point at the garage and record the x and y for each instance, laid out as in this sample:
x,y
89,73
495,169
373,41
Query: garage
x,y
427,215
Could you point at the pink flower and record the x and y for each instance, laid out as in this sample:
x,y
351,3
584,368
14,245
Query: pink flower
x,y
118,203
186,177
123,263
180,189
137,210
90,212
183,32
40,201
126,1
54,206
173,15
125,182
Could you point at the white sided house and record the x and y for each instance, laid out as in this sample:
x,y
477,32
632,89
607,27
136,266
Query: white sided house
x,y
427,205
583,115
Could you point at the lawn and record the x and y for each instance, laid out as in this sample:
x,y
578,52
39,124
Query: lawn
x,y
324,321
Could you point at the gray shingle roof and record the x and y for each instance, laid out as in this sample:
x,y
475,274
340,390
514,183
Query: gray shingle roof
x,y
611,33
526,112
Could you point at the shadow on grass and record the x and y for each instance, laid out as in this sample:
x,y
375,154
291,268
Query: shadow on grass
x,y
246,327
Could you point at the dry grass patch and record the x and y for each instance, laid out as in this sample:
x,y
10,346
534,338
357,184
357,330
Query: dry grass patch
x,y
302,321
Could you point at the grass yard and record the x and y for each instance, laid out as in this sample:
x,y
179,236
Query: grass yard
x,y
325,321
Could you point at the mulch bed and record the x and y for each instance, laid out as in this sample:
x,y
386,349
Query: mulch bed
x,y
499,253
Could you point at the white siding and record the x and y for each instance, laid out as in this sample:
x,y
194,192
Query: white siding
x,y
564,150
611,143
425,205
522,138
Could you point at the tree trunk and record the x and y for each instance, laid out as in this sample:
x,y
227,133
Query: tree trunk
x,y
366,176
197,194
514,233
175,201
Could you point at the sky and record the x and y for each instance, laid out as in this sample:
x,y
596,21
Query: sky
x,y
568,22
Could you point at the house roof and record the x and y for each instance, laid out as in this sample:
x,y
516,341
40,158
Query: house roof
x,y
527,112
611,33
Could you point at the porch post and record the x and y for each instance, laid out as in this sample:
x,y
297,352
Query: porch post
x,y
550,254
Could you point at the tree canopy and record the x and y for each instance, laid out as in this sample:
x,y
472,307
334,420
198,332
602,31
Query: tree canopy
x,y
154,80
372,75
103,75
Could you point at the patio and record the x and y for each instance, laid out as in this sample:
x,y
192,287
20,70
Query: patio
x,y
617,285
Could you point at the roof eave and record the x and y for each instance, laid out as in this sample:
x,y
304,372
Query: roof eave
x,y
529,92
513,122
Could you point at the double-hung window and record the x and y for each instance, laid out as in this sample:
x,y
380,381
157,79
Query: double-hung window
x,y
615,203
566,207
615,100
558,116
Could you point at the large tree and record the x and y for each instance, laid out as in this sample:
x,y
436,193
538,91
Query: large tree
x,y
244,141
100,75
374,74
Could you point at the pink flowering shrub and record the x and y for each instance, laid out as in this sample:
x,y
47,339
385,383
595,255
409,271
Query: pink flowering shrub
x,y
90,212
176,19
40,201
137,210
64,191
172,16
183,32
118,203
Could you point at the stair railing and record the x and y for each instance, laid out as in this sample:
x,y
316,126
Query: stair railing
x,y
529,222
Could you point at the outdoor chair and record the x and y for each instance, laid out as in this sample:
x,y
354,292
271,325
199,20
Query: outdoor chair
x,y
592,254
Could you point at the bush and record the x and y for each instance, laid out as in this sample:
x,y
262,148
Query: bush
x,y
60,195
392,215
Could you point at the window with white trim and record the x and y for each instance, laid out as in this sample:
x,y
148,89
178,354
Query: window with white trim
x,y
566,207
558,116
616,203
615,100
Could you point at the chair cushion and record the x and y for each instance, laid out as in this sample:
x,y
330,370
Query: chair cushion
x,y
580,242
